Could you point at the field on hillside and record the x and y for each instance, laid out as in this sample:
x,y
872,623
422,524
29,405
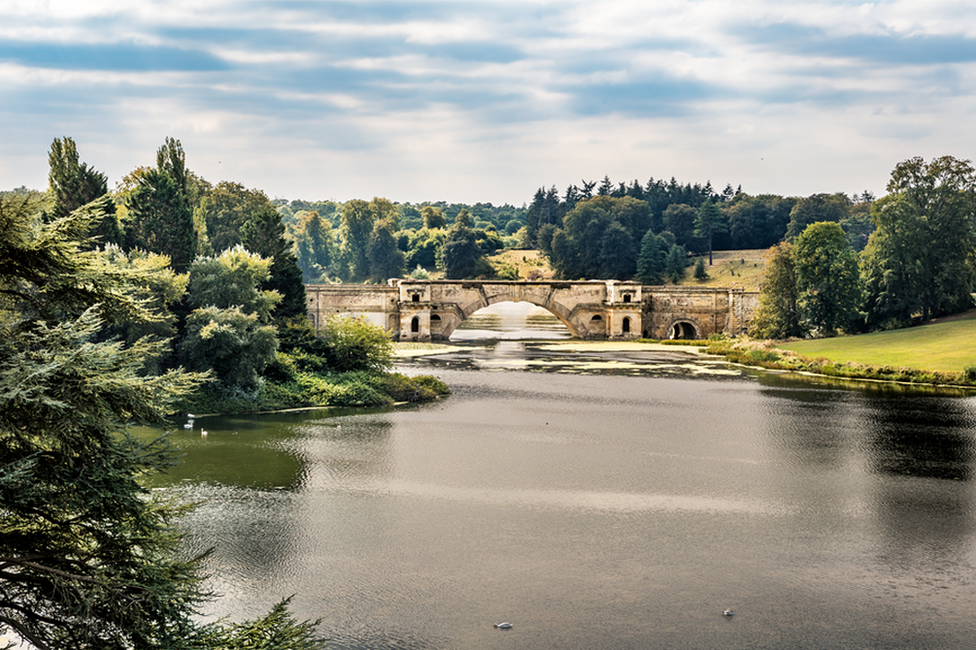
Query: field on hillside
x,y
945,345
528,264
740,268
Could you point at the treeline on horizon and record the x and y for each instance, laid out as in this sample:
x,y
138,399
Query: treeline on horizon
x,y
650,232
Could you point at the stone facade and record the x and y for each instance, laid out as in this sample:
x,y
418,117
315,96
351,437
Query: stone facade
x,y
599,309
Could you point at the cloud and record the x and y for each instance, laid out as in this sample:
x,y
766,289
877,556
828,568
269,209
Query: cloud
x,y
324,99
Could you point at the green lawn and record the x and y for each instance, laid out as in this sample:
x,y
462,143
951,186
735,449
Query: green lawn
x,y
948,345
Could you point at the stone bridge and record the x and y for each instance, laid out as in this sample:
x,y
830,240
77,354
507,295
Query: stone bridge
x,y
413,310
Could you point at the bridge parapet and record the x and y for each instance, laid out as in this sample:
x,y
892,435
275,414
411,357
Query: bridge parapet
x,y
432,310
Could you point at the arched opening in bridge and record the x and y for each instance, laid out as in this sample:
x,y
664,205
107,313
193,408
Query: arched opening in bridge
x,y
510,320
683,330
415,325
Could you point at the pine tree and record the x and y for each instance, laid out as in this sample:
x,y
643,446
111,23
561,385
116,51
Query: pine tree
x,y
651,263
709,221
90,558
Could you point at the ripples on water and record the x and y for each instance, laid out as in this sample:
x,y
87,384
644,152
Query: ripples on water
x,y
601,511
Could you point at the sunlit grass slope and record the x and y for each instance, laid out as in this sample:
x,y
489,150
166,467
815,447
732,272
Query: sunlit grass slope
x,y
738,268
948,345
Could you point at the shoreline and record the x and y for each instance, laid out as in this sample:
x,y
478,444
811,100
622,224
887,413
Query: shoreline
x,y
736,352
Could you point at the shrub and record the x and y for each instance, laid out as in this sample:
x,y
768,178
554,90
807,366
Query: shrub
x,y
356,344
969,372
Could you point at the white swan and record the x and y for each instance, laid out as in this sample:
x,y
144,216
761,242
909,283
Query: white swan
x,y
503,626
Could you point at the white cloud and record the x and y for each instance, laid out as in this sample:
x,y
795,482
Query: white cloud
x,y
488,100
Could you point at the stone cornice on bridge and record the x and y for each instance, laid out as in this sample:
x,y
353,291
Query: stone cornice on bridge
x,y
590,309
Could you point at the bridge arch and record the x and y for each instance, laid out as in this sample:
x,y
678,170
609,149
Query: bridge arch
x,y
488,298
685,329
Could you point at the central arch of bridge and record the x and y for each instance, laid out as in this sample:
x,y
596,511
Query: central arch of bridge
x,y
511,320
433,310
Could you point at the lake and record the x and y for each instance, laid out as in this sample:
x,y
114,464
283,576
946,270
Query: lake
x,y
598,500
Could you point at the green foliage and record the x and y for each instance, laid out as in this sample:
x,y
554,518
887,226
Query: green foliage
x,y
652,261
356,344
933,219
314,246
424,248
226,209
891,267
355,232
461,256
758,221
232,279
700,272
598,238
432,383
970,372
778,315
73,185
278,630
675,263
709,221
827,279
234,344
817,208
433,217
386,260
160,219
91,560
148,279
679,219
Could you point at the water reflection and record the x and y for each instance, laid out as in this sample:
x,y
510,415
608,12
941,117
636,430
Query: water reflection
x,y
918,436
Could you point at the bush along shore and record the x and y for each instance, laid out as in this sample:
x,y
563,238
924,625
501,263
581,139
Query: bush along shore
x,y
348,363
764,354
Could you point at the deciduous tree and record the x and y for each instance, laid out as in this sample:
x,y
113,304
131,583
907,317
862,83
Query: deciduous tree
x,y
827,280
778,314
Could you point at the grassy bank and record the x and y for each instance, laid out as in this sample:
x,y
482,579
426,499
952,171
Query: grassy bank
x,y
938,353
947,345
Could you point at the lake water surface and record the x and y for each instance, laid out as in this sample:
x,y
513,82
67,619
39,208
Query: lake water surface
x,y
622,504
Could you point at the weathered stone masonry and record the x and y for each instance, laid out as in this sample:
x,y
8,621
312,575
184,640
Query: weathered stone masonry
x,y
597,309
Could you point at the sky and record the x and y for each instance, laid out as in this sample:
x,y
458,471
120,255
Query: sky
x,y
482,101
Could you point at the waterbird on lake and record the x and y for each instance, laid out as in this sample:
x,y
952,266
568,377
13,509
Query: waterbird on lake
x,y
503,626
190,416
728,612
188,425
203,432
